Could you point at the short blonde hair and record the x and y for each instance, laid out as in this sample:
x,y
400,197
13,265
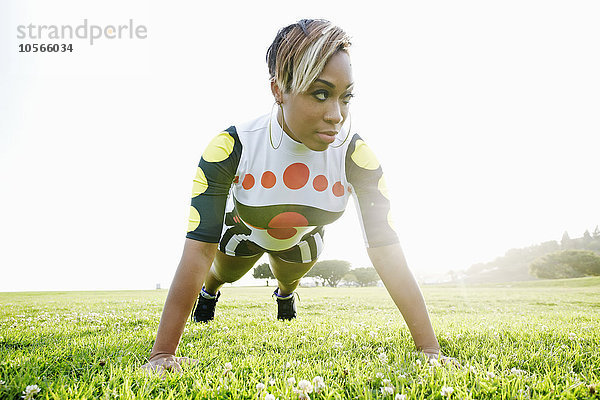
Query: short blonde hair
x,y
300,51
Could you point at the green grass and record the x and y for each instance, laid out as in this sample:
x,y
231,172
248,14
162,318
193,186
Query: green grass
x,y
529,340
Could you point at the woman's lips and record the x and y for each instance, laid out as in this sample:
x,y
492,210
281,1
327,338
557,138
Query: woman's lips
x,y
327,137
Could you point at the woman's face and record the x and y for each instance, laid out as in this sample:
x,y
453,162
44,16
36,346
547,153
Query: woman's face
x,y
314,117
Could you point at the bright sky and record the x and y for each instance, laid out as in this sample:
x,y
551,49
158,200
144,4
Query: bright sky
x,y
484,115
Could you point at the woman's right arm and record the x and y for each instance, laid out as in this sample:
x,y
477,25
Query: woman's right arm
x,y
195,262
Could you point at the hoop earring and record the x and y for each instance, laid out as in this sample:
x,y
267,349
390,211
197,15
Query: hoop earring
x,y
347,135
283,122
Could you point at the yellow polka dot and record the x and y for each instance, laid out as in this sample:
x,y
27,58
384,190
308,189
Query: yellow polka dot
x,y
200,183
219,148
364,157
390,220
194,220
383,187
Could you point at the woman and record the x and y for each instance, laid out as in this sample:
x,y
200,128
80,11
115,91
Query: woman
x,y
289,173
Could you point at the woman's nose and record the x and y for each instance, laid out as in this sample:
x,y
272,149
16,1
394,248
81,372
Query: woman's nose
x,y
333,114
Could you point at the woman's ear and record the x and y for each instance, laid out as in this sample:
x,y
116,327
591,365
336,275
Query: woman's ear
x,y
276,90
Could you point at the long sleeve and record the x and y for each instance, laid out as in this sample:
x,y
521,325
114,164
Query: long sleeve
x,y
214,176
365,174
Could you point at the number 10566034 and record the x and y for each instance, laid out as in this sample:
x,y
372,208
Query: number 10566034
x,y
45,48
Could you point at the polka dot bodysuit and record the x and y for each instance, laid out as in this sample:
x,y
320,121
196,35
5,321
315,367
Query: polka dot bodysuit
x,y
250,197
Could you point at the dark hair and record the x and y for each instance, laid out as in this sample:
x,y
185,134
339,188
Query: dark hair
x,y
300,51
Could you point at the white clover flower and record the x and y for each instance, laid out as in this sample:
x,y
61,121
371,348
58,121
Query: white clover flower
x,y
434,361
491,375
260,386
400,397
291,381
516,371
572,336
379,375
305,386
337,345
30,391
493,356
353,336
418,362
385,390
318,383
372,333
386,382
269,396
447,391
227,367
383,357
472,369
272,382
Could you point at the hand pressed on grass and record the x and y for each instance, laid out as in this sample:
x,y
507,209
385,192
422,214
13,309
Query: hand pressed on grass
x,y
161,363
438,357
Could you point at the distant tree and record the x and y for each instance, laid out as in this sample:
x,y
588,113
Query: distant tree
x,y
550,246
263,271
453,275
330,271
587,238
596,234
566,264
584,261
365,276
565,242
476,268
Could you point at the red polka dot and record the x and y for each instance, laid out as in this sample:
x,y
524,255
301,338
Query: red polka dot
x,y
296,175
268,179
282,226
338,189
236,179
248,181
320,183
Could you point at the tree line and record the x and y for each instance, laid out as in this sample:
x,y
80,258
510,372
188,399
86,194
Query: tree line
x,y
328,272
567,258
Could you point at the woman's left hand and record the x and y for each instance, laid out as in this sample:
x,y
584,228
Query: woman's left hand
x,y
436,357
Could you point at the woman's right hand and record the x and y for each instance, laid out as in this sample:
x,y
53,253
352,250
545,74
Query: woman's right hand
x,y
162,363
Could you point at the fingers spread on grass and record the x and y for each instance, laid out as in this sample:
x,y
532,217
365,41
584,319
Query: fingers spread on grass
x,y
187,361
166,364
151,368
439,358
450,361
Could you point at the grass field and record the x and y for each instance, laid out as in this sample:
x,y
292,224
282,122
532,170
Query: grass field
x,y
526,340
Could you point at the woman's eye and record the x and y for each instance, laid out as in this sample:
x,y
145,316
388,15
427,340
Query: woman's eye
x,y
348,97
320,95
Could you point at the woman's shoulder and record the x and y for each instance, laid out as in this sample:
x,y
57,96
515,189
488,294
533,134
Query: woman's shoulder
x,y
256,125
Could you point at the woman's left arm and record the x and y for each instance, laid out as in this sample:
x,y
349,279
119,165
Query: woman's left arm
x,y
390,264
